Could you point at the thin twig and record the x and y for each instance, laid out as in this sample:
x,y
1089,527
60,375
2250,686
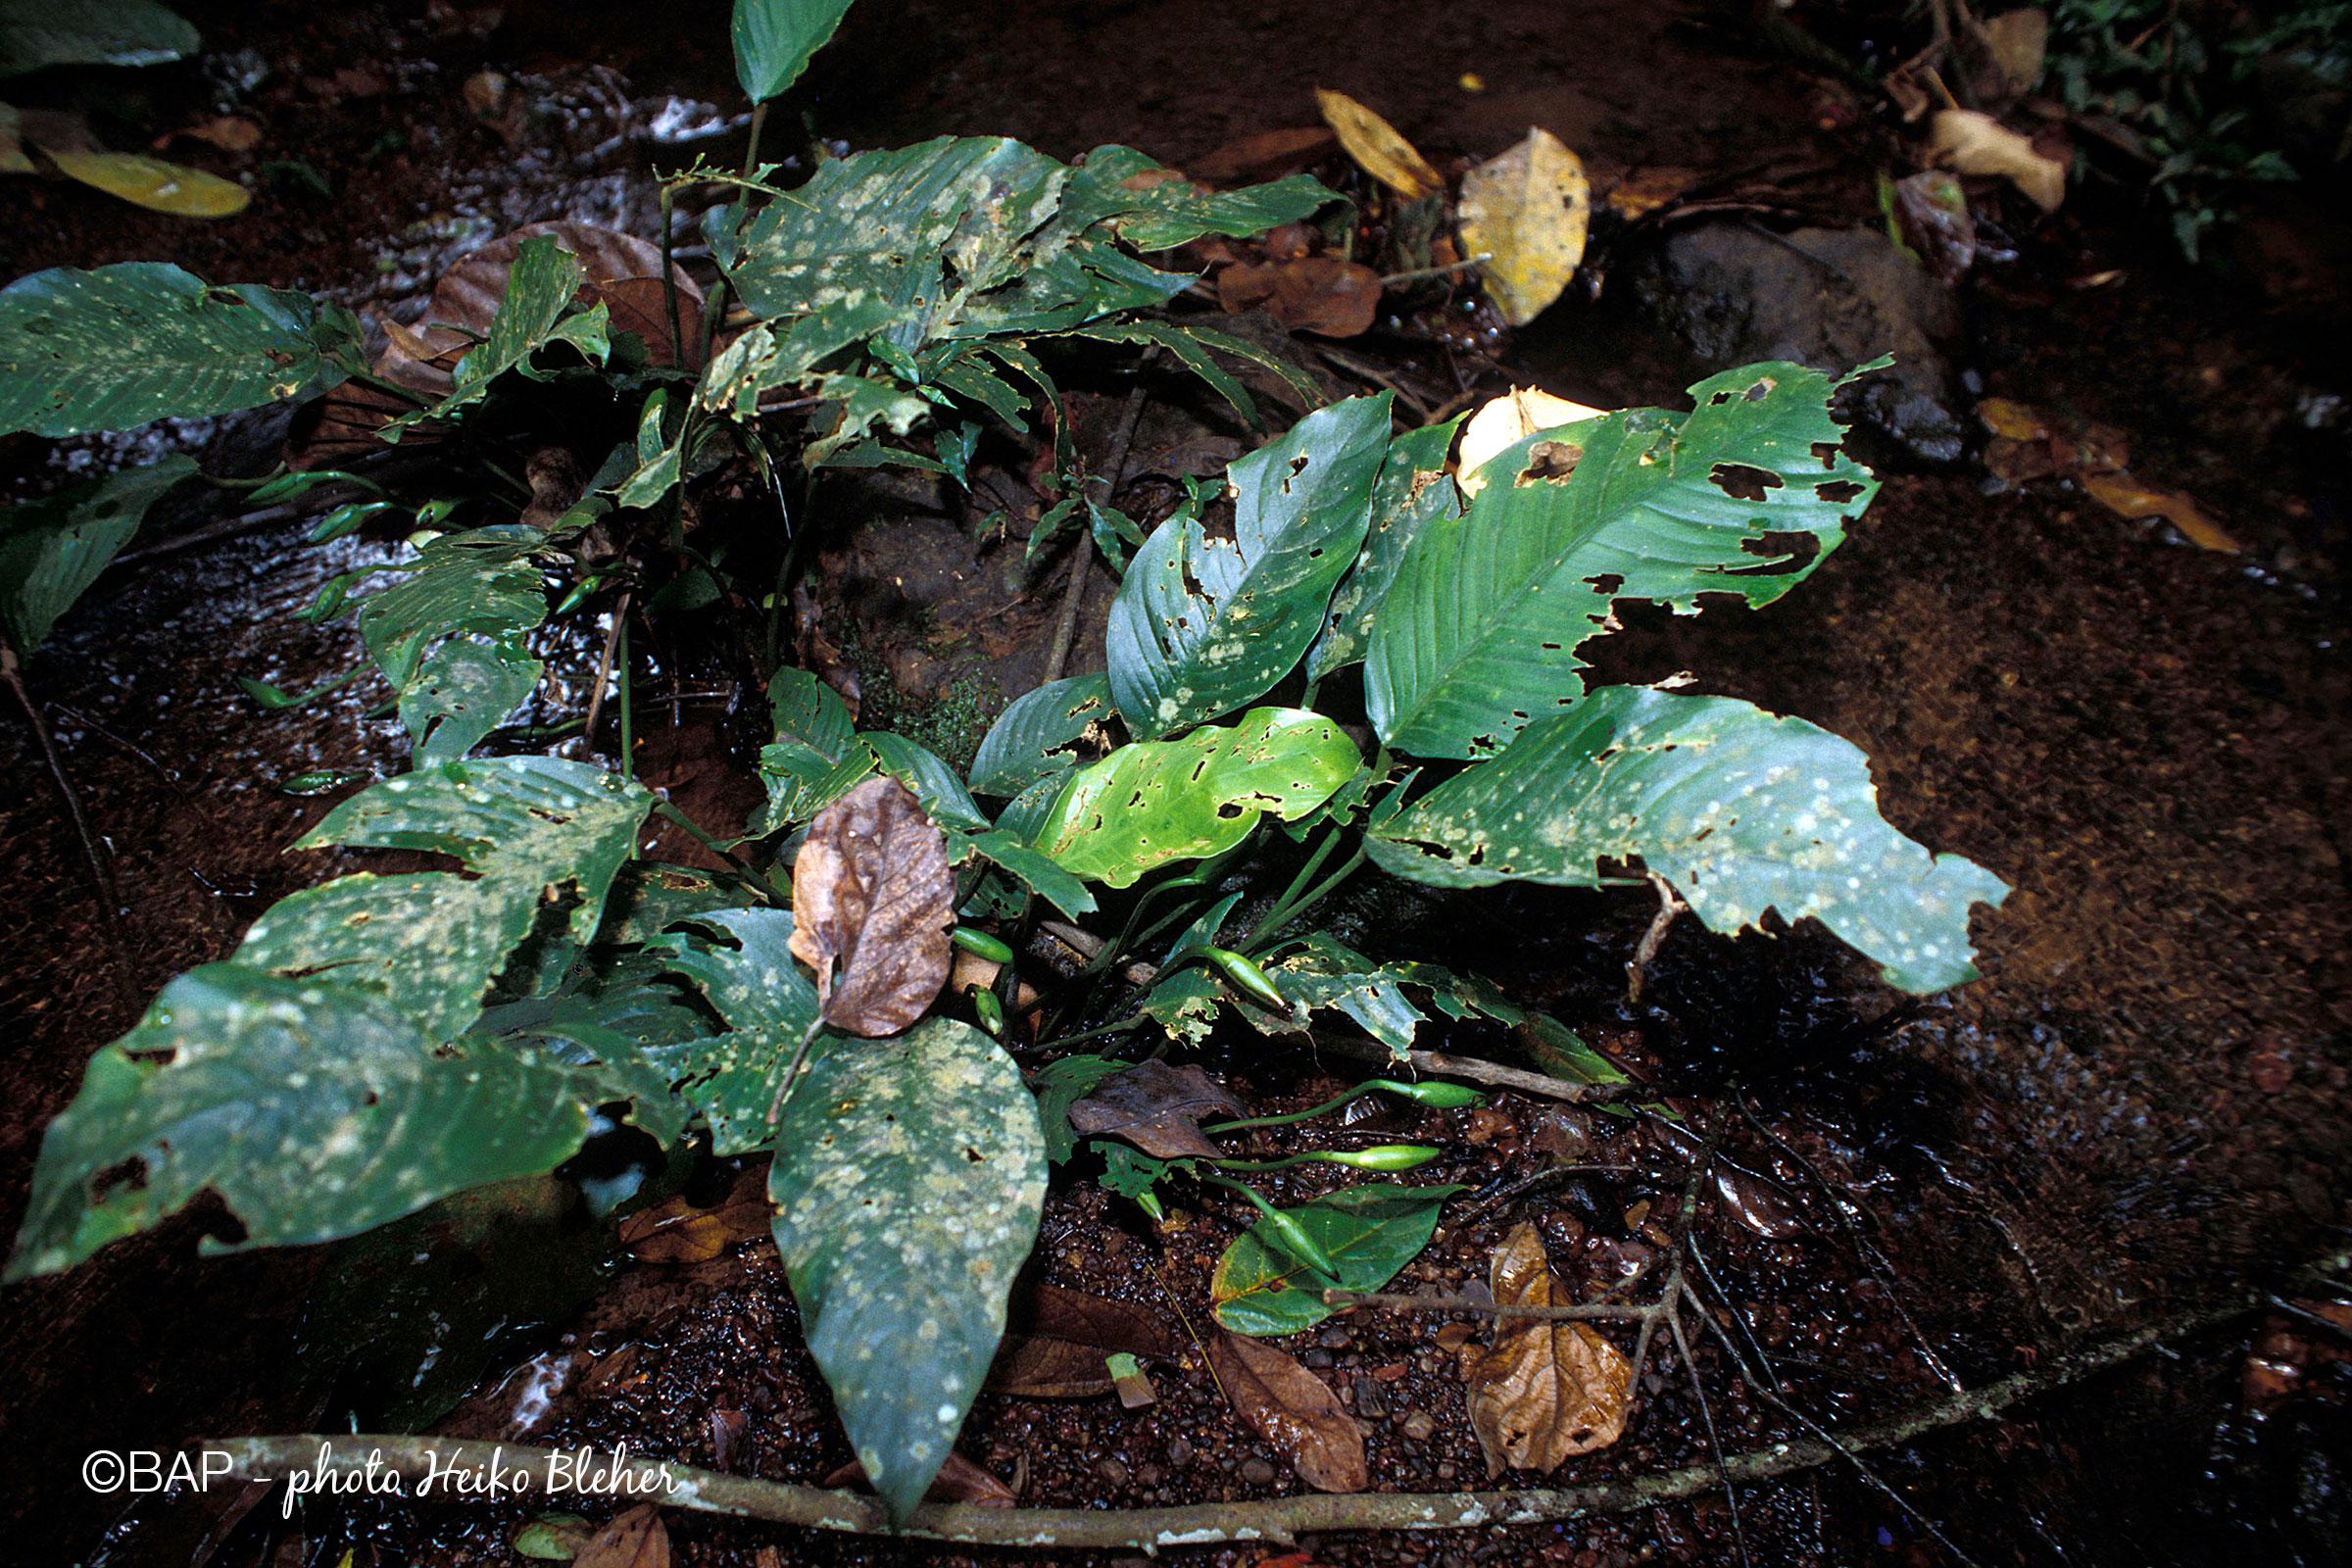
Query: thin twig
x,y
102,876
1637,972
1280,1520
604,668
1081,555
1471,1307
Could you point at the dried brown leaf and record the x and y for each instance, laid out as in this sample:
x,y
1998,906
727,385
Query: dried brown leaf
x,y
1157,1107
1542,1392
1093,1320
871,905
1268,155
636,1539
1032,1367
1294,1410
1319,294
675,1231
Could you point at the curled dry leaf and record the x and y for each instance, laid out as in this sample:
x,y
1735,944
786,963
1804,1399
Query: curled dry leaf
x,y
1294,1410
1377,147
1157,1107
1542,1392
1527,211
1969,142
1508,420
871,905
636,1539
1319,294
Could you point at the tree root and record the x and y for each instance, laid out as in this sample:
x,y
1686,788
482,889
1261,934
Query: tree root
x,y
1280,1520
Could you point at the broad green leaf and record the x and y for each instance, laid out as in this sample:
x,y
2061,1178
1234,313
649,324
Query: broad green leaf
x,y
1412,490
540,837
464,689
312,1111
1479,634
648,897
52,550
808,713
1204,625
1034,871
1154,802
480,581
1740,809
535,312
124,344
1157,209
769,1005
611,1022
907,1182
660,460
933,781
775,39
38,34
1031,739
153,183
1370,1233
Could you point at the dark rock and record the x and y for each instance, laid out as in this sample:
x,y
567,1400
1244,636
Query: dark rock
x,y
1258,1473
1829,298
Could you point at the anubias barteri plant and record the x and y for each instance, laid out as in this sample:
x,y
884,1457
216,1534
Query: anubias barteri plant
x,y
384,1041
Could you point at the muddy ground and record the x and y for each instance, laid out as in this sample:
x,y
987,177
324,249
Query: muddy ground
x,y
2139,1111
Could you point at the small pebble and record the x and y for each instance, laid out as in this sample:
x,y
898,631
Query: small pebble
x,y
1315,1359
1180,1453
1418,1425
1258,1473
1367,1398
1113,1472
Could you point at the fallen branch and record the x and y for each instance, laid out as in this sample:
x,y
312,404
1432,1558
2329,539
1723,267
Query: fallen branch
x,y
523,1470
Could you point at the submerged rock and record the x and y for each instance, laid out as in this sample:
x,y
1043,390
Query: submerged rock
x,y
1825,297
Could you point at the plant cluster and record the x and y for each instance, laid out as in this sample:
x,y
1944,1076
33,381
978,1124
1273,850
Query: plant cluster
x,y
1354,659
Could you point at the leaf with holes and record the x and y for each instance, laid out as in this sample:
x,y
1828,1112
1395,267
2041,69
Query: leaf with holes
x,y
769,1007
908,1184
1157,209
314,1111
1741,497
1202,625
1154,802
1543,1392
537,311
1740,809
115,348
540,839
1369,1232
1413,491
52,550
1033,738
872,899
481,581
465,687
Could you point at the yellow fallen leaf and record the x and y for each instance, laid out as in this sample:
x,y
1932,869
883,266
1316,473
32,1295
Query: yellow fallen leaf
x,y
2015,421
1377,147
1646,190
151,183
1973,143
1525,212
1508,420
2126,497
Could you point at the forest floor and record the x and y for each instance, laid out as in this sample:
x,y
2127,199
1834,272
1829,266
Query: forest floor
x,y
2140,1113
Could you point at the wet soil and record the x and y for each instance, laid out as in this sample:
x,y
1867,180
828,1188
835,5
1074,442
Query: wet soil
x,y
2140,1108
